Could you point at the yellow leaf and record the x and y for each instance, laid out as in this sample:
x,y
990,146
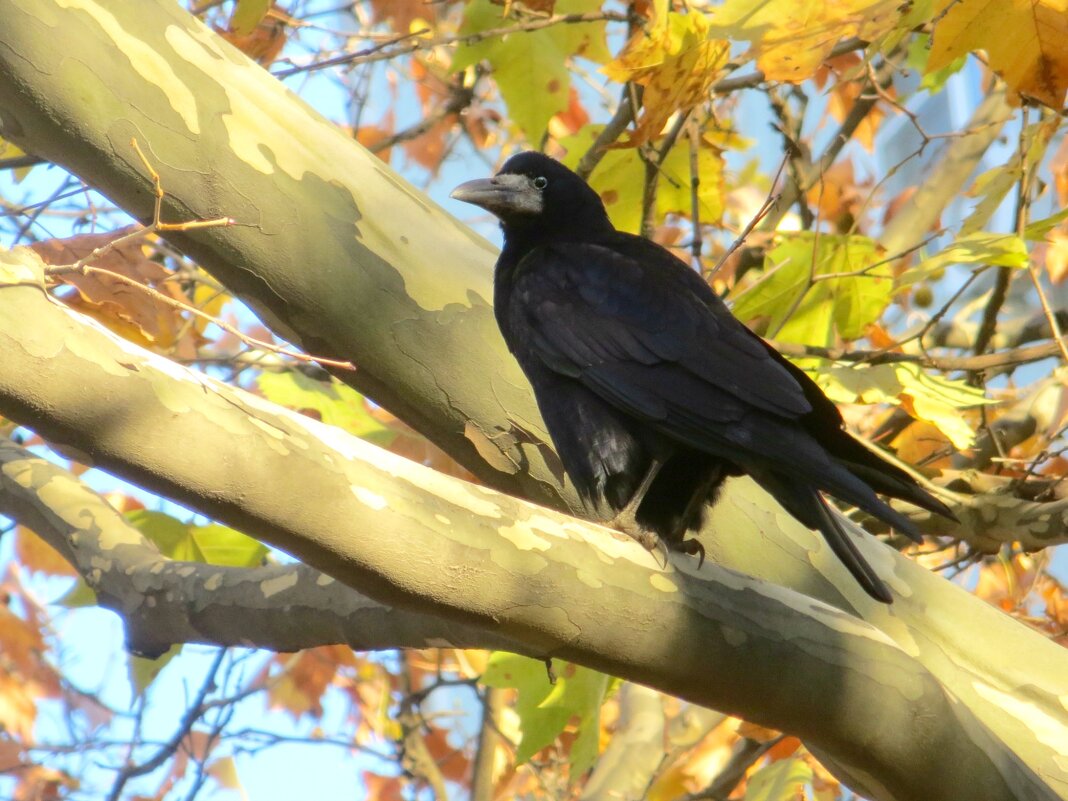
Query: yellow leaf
x,y
791,38
224,771
144,671
210,301
676,62
1026,42
10,151
926,397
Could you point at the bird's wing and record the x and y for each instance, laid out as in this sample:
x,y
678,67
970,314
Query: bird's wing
x,y
641,329
643,336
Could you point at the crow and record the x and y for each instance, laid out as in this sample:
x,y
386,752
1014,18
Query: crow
x,y
651,390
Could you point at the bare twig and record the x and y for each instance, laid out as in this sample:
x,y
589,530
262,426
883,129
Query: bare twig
x,y
84,267
185,726
611,132
987,361
418,40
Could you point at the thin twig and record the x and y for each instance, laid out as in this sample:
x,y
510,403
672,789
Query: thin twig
x,y
987,361
697,240
418,40
769,203
185,725
83,267
611,132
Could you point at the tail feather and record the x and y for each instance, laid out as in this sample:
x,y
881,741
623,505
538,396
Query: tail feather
x,y
846,550
902,486
806,504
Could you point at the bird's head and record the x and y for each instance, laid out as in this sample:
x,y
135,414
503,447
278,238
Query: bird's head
x,y
535,192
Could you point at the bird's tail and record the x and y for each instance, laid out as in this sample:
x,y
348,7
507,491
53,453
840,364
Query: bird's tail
x,y
805,503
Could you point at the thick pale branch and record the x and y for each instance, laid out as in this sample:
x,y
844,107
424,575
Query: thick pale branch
x,y
340,255
550,583
163,602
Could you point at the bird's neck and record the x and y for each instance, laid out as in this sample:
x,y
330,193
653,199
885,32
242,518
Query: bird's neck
x,y
520,238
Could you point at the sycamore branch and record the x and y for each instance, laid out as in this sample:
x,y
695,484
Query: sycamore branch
x,y
552,585
347,261
163,602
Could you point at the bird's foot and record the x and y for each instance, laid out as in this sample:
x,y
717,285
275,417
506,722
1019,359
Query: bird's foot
x,y
693,547
625,523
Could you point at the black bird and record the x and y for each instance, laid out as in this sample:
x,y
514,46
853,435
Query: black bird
x,y
651,390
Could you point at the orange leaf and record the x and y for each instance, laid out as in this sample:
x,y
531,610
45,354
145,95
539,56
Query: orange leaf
x,y
1056,256
845,94
1026,42
572,119
403,13
371,135
123,308
1058,165
920,441
307,675
37,555
838,196
18,706
453,764
382,788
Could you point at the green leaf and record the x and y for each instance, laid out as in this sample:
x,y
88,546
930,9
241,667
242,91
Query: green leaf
x,y
545,709
979,248
530,66
221,545
673,192
1036,231
169,534
213,544
929,397
144,671
248,14
779,781
799,312
620,176
933,81
337,404
992,185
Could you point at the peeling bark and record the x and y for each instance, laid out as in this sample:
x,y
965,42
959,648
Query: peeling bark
x,y
338,254
527,574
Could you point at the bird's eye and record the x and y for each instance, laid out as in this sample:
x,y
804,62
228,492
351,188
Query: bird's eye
x,y
541,182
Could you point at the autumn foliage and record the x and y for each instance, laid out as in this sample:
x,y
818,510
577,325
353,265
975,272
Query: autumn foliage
x,y
814,161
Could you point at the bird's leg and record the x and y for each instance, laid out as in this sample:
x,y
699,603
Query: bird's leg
x,y
693,545
626,519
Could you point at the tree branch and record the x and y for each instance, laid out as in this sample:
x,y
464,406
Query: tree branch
x,y
553,585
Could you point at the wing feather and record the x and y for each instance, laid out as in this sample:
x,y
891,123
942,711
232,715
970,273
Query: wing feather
x,y
593,312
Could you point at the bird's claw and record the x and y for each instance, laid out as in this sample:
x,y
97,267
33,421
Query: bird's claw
x,y
692,547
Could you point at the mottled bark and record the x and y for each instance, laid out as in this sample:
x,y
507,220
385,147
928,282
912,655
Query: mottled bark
x,y
434,545
339,254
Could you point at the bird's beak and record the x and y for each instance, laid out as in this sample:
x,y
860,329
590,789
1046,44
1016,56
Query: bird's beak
x,y
502,195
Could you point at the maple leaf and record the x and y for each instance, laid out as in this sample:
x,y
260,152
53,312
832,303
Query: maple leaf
x,y
676,62
1026,42
846,92
790,39
122,308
